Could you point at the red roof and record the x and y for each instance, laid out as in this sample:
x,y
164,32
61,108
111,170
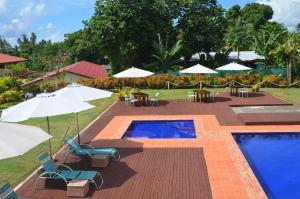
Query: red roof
x,y
8,59
88,69
82,68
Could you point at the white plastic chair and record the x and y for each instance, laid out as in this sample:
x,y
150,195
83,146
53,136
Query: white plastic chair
x,y
155,100
191,96
133,100
127,99
244,92
213,94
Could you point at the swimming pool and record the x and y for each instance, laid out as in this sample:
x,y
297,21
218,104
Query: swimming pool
x,y
161,129
275,160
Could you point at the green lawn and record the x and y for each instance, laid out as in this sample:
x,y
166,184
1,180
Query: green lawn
x,y
174,93
290,94
16,169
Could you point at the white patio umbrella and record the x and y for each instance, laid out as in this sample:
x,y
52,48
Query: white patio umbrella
x,y
43,105
233,67
82,93
198,69
133,73
16,139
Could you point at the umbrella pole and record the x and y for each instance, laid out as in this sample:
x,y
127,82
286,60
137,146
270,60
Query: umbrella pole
x,y
50,148
78,137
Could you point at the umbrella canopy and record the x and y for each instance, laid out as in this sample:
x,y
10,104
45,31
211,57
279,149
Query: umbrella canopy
x,y
198,69
82,93
133,73
233,67
16,139
43,105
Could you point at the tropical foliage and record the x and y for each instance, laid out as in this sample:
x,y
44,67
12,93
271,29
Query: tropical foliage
x,y
290,51
164,57
124,34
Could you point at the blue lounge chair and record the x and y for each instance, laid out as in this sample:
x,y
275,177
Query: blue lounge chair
x,y
7,192
86,149
51,171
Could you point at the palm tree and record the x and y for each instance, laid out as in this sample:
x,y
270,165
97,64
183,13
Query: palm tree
x,y
164,57
238,38
289,50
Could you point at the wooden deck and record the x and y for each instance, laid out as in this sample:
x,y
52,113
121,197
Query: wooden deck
x,y
161,172
142,173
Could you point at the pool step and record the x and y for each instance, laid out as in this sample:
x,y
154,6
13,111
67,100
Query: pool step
x,y
270,118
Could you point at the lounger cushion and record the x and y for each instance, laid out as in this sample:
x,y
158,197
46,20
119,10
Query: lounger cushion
x,y
78,175
108,151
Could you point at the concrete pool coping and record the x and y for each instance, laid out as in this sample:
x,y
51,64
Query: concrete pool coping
x,y
229,174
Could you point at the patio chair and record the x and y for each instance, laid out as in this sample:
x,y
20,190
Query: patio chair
x,y
51,171
7,192
127,99
243,92
89,150
155,100
213,94
191,96
132,100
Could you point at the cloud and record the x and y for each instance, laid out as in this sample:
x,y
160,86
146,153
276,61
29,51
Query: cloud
x,y
13,28
49,26
39,9
33,9
2,6
286,12
55,37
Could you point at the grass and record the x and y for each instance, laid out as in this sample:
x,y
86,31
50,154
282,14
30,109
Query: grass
x,y
174,93
16,169
289,94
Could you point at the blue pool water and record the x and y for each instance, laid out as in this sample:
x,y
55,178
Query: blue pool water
x,y
275,160
161,129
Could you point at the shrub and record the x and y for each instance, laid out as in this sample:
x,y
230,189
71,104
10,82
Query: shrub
x,y
34,89
7,83
61,84
49,87
11,96
160,81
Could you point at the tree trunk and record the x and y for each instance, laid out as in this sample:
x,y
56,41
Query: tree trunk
x,y
238,54
289,71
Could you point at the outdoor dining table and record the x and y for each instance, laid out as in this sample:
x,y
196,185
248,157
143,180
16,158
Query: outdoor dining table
x,y
200,94
141,97
234,90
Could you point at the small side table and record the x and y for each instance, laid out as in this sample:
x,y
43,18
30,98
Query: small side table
x,y
78,188
100,160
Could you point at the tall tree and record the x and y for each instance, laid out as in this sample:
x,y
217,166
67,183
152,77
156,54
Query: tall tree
x,y
233,16
289,50
125,30
239,38
201,26
256,14
298,28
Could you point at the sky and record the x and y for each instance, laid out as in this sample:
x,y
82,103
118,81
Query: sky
x,y
51,19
